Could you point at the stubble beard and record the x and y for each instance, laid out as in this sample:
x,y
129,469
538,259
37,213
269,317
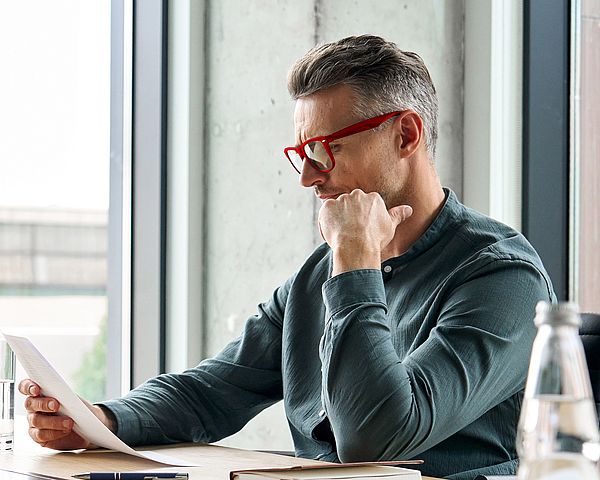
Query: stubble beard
x,y
396,191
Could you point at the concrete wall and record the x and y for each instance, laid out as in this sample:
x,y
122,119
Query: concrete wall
x,y
260,224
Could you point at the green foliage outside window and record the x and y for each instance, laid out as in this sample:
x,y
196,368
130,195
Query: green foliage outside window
x,y
90,378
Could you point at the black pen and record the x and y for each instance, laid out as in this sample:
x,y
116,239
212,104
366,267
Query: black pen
x,y
128,475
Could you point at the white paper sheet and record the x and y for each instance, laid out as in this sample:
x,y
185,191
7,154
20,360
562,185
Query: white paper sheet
x,y
87,424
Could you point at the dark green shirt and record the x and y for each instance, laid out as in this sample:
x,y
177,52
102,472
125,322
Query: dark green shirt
x,y
425,358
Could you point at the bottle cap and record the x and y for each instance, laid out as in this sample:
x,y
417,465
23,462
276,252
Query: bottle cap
x,y
562,313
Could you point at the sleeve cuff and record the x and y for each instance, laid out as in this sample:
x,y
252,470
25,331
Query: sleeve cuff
x,y
353,287
129,429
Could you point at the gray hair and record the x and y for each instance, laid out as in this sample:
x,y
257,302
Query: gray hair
x,y
383,78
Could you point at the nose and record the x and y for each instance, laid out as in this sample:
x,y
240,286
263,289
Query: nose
x,y
309,176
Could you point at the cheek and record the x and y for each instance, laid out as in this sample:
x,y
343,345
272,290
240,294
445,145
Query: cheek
x,y
364,166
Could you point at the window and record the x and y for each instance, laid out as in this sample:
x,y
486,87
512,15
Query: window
x,y
545,222
561,214
585,198
54,191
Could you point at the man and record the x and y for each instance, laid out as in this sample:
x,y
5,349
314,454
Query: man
x,y
407,334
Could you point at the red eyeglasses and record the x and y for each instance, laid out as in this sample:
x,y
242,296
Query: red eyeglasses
x,y
317,150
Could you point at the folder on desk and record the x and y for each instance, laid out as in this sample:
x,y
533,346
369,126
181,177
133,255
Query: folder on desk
x,y
496,477
338,471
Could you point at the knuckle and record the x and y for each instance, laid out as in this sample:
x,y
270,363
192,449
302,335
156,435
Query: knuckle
x,y
327,206
35,434
27,387
24,386
36,420
28,403
38,404
39,435
43,436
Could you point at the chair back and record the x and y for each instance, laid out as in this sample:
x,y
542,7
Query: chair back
x,y
590,337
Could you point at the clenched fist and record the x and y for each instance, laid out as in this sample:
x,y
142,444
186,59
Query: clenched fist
x,y
358,226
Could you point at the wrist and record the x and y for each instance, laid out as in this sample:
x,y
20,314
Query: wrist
x,y
107,417
356,258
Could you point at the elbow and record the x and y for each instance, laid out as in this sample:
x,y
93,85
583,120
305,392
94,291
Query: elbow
x,y
358,448
374,442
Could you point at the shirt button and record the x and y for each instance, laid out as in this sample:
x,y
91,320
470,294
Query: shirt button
x,y
387,269
322,413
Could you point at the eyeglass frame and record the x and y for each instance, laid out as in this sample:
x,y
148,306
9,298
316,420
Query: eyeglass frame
x,y
353,129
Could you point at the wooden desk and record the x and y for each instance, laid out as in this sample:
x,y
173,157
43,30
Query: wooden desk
x,y
216,461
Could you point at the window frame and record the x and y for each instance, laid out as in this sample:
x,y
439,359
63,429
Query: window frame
x,y
149,189
117,285
137,212
546,135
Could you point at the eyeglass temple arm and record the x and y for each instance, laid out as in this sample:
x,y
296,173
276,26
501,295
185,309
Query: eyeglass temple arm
x,y
361,126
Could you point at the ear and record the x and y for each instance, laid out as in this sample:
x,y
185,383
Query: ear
x,y
409,127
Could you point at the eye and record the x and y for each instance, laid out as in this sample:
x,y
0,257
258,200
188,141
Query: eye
x,y
335,147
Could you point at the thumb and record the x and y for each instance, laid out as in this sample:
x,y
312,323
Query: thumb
x,y
400,213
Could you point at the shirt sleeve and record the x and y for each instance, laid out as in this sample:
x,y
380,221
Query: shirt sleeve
x,y
384,407
214,399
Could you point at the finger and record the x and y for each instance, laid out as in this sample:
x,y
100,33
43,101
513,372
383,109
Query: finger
x,y
29,387
50,422
69,442
400,213
42,436
41,404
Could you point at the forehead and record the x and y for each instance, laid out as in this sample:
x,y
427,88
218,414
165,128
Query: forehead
x,y
323,112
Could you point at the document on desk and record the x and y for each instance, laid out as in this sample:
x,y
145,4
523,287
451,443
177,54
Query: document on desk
x,y
86,423
338,471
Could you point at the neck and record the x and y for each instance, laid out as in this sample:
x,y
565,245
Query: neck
x,y
426,201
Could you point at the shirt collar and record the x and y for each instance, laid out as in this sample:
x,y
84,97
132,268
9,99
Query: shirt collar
x,y
445,218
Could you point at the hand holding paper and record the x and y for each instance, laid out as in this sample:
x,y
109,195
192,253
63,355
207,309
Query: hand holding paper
x,y
87,424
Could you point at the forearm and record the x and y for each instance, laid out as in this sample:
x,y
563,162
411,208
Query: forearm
x,y
367,391
196,406
470,356
214,399
146,414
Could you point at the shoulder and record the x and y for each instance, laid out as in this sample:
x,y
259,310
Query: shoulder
x,y
491,246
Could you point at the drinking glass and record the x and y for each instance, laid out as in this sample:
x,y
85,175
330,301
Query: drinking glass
x,y
7,396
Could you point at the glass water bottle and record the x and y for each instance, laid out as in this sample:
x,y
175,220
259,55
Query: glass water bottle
x,y
558,429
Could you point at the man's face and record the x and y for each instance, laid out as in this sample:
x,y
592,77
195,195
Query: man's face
x,y
368,161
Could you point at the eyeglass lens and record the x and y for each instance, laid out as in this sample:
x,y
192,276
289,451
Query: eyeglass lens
x,y
295,159
317,154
